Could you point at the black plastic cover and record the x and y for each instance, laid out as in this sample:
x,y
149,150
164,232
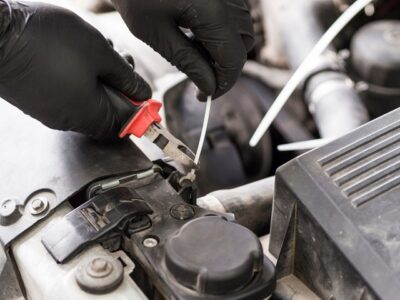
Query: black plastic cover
x,y
211,255
336,215
91,221
191,245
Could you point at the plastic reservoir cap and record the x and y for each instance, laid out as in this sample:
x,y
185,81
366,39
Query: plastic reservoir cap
x,y
375,53
213,256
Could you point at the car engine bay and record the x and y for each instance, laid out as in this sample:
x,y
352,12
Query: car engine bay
x,y
83,220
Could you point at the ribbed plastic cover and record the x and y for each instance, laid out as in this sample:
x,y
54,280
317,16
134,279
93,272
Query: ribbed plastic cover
x,y
336,214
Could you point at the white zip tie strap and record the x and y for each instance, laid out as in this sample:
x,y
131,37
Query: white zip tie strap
x,y
302,70
304,145
203,130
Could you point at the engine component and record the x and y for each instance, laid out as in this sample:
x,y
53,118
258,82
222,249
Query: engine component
x,y
375,53
227,160
104,215
171,240
302,46
336,107
100,275
44,278
271,77
336,218
375,58
294,38
9,212
182,237
251,204
257,21
41,157
188,259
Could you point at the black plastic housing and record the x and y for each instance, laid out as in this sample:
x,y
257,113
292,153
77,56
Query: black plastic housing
x,y
199,254
336,215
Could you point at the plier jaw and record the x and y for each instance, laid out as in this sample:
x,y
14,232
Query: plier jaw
x,y
146,121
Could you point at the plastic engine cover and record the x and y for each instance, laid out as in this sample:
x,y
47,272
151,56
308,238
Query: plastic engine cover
x,y
336,215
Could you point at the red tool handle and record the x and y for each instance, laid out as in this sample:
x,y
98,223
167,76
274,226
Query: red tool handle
x,y
147,114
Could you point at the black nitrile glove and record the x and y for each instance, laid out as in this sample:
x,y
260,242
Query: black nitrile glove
x,y
53,66
223,36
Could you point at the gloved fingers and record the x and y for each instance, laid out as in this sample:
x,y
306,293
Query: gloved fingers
x,y
104,122
212,26
117,73
128,58
228,53
168,40
239,11
188,58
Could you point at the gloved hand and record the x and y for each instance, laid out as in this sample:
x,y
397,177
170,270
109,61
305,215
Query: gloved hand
x,y
223,36
53,66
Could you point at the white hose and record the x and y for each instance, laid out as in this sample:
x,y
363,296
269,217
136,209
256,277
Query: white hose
x,y
203,130
303,69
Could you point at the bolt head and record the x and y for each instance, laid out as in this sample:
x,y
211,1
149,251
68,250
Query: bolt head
x,y
182,211
99,267
99,274
38,205
150,242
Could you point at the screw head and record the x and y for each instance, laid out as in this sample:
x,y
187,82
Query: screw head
x,y
150,242
38,205
99,274
182,211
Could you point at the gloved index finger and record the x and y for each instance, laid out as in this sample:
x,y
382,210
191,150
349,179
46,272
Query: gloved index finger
x,y
116,72
223,43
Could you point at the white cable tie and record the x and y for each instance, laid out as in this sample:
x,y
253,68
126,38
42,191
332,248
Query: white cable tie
x,y
203,130
304,145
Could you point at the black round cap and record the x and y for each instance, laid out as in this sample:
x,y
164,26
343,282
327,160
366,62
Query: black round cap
x,y
213,256
375,53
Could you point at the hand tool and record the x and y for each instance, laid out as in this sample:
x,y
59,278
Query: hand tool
x,y
145,121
